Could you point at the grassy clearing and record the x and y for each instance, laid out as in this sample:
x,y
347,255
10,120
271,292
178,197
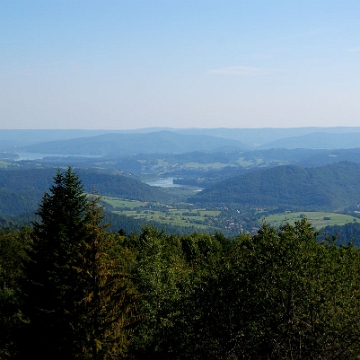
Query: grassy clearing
x,y
198,218
179,217
5,164
197,165
124,204
318,219
249,162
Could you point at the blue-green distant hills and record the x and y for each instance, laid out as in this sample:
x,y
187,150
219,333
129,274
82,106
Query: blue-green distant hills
x,y
317,140
167,140
175,142
125,144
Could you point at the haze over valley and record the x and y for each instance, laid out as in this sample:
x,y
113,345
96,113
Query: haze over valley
x,y
225,171
179,180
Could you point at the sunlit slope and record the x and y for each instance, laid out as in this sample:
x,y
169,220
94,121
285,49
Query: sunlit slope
x,y
330,187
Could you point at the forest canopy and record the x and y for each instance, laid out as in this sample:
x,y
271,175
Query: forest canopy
x,y
72,288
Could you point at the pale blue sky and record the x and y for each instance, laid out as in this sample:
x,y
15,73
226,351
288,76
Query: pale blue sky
x,y
179,63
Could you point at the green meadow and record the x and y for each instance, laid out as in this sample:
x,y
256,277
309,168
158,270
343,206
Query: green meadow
x,y
318,219
124,204
200,219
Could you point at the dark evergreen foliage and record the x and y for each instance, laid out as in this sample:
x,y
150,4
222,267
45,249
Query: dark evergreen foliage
x,y
50,274
73,294
13,247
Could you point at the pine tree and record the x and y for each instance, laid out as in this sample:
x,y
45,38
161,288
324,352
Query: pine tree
x,y
76,296
50,275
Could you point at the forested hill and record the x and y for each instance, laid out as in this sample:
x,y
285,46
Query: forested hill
x,y
124,144
121,186
329,187
21,190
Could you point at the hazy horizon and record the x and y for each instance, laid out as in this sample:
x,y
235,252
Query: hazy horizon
x,y
130,65
160,128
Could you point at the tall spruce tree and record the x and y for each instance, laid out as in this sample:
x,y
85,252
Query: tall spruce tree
x,y
74,295
50,274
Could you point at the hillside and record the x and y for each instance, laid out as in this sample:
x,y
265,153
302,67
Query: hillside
x,y
21,190
329,187
124,144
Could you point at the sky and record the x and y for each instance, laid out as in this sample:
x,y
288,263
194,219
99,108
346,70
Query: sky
x,y
130,64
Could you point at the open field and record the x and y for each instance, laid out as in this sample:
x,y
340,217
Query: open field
x,y
124,204
196,165
207,220
249,162
200,219
179,217
318,219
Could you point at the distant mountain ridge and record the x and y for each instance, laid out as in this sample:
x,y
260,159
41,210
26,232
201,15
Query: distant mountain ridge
x,y
249,138
266,138
125,144
330,187
317,140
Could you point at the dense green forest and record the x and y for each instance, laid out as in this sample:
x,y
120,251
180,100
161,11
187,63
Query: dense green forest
x,y
72,288
346,234
330,187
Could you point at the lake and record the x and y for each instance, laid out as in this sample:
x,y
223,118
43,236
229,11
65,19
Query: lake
x,y
164,182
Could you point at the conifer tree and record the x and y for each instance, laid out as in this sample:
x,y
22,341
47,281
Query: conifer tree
x,y
106,313
50,275
76,296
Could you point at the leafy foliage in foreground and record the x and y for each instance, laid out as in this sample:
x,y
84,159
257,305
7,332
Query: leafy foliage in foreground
x,y
69,288
277,295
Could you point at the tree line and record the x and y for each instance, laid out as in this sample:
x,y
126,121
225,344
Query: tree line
x,y
70,288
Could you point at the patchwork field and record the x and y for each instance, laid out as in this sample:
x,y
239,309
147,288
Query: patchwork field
x,y
210,220
318,219
200,219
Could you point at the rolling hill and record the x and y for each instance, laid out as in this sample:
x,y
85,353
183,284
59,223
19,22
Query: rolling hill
x,y
330,187
21,190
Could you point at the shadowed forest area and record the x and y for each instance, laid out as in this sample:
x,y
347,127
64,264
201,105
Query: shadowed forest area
x,y
72,289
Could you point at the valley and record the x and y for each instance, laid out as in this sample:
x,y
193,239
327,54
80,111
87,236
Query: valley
x,y
191,181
